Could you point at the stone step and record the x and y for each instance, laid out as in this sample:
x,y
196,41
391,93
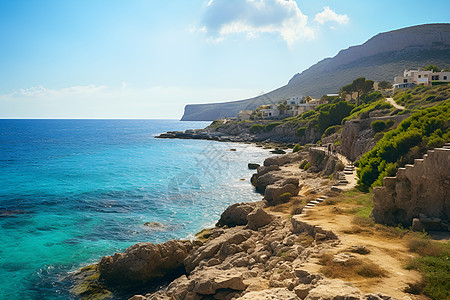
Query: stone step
x,y
348,172
343,181
310,205
315,202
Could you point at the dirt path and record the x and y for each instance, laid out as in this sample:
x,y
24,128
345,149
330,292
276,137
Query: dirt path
x,y
394,104
390,254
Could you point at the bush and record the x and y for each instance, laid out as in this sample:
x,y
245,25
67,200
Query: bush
x,y
389,123
306,167
257,128
297,148
423,130
303,164
378,125
332,129
271,126
301,131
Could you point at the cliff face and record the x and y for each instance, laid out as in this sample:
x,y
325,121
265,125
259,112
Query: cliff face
x,y
380,58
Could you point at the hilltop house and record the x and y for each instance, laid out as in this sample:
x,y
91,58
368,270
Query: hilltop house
x,y
414,77
244,115
269,111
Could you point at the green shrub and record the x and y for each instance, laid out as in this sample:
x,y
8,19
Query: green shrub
x,y
389,123
303,164
297,148
257,128
271,126
332,129
378,125
423,130
306,167
301,131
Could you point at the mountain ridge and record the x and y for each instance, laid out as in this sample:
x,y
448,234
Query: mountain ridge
x,y
380,58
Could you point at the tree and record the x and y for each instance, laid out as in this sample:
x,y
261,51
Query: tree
x,y
345,90
282,107
308,98
433,68
385,85
361,86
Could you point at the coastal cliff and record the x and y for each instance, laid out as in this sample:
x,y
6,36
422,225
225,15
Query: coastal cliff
x,y
382,57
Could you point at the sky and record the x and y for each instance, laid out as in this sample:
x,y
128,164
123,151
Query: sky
x,y
148,59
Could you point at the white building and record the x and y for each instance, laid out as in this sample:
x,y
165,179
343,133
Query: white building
x,y
414,77
269,111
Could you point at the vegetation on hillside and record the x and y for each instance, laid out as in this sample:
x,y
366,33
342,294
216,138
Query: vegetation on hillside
x,y
425,129
422,96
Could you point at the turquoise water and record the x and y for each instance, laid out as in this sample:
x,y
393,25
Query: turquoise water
x,y
72,191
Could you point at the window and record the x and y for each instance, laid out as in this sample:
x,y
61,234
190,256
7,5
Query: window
x,y
405,80
445,77
420,76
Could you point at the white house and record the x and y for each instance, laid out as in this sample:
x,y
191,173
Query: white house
x,y
269,111
411,77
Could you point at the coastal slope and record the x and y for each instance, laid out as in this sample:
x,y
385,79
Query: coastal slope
x,y
380,58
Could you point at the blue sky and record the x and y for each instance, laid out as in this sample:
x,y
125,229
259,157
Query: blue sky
x,y
147,59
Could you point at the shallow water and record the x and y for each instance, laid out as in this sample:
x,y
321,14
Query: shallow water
x,y
72,191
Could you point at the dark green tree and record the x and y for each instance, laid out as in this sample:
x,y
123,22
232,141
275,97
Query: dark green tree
x,y
433,68
361,86
385,85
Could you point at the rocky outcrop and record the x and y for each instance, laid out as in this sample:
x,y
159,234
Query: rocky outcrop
x,y
358,137
236,214
281,191
419,191
144,262
259,218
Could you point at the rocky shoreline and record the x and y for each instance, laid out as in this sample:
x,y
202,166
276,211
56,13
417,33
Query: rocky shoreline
x,y
254,252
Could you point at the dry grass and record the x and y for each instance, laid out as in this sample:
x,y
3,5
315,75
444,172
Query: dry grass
x,y
351,269
423,245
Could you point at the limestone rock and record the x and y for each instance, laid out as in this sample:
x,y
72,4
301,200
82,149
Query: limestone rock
x,y
207,283
220,245
259,218
236,214
334,289
144,262
274,191
276,293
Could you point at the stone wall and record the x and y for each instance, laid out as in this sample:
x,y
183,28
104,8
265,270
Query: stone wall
x,y
419,192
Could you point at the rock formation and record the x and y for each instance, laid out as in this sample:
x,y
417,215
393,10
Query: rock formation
x,y
144,262
420,191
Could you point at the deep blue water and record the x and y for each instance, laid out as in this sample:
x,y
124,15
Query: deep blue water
x,y
72,191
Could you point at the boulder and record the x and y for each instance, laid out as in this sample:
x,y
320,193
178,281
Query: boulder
x,y
276,293
236,214
217,248
252,166
332,289
144,262
273,192
259,218
208,282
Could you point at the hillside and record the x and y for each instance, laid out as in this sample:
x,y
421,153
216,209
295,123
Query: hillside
x,y
380,58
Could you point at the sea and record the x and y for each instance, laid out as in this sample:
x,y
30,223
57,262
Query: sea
x,y
73,191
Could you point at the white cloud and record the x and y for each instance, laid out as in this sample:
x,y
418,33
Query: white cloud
x,y
254,17
328,15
